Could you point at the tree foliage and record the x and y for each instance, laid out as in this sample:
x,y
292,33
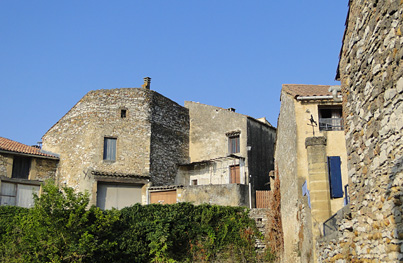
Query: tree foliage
x,y
62,228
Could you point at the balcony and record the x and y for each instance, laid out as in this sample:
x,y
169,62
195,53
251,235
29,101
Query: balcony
x,y
331,124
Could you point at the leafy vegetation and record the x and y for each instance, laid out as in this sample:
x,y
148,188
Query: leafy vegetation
x,y
61,228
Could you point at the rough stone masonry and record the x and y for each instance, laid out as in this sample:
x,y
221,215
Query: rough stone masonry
x,y
371,74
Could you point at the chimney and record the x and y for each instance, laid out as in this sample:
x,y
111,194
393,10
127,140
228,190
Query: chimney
x,y
147,81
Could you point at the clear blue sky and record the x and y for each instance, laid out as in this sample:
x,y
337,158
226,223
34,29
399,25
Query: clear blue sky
x,y
226,53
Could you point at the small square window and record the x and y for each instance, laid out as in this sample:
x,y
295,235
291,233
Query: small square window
x,y
194,182
123,113
110,149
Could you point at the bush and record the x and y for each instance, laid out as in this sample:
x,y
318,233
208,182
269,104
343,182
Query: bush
x,y
61,228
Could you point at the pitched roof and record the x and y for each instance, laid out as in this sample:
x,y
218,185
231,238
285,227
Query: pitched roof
x,y
16,147
299,90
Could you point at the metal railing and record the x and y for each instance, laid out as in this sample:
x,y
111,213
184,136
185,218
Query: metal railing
x,y
331,124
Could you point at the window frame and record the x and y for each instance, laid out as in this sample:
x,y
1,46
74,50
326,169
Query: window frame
x,y
234,142
335,122
110,143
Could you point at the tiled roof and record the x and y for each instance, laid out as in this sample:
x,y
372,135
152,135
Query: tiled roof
x,y
120,175
16,147
297,90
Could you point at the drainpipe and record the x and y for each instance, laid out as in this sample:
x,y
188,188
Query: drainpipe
x,y
250,196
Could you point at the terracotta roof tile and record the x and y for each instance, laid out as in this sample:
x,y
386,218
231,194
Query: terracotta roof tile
x,y
297,90
13,146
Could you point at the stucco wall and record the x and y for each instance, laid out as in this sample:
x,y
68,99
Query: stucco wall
x,y
286,163
230,194
211,172
208,128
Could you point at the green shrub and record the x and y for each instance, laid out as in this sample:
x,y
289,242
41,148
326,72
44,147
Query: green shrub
x,y
61,228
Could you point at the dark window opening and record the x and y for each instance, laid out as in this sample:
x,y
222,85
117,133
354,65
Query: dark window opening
x,y
110,149
21,167
233,144
123,113
194,182
330,118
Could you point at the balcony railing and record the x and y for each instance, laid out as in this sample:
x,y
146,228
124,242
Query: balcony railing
x,y
331,124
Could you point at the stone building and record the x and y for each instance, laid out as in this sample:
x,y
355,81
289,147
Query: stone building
x,y
23,169
311,161
115,143
230,154
371,74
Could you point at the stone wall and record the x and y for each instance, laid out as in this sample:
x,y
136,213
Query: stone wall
x,y
371,74
151,138
169,139
43,169
4,160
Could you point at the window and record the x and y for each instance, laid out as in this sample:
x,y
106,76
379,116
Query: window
x,y
194,182
330,118
233,144
110,149
123,113
336,186
21,167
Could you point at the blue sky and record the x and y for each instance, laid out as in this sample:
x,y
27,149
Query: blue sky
x,y
226,53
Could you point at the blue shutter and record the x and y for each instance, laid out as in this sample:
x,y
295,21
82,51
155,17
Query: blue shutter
x,y
336,186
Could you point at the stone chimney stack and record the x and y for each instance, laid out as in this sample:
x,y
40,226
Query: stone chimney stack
x,y
147,82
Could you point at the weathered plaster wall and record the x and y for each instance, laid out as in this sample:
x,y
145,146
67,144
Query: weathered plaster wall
x,y
230,194
286,162
208,128
212,172
371,73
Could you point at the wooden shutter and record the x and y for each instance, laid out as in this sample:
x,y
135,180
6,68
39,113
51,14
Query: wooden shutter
x,y
235,174
21,166
336,186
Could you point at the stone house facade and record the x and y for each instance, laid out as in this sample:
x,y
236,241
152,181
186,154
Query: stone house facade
x,y
226,147
311,161
115,143
371,74
134,145
23,169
